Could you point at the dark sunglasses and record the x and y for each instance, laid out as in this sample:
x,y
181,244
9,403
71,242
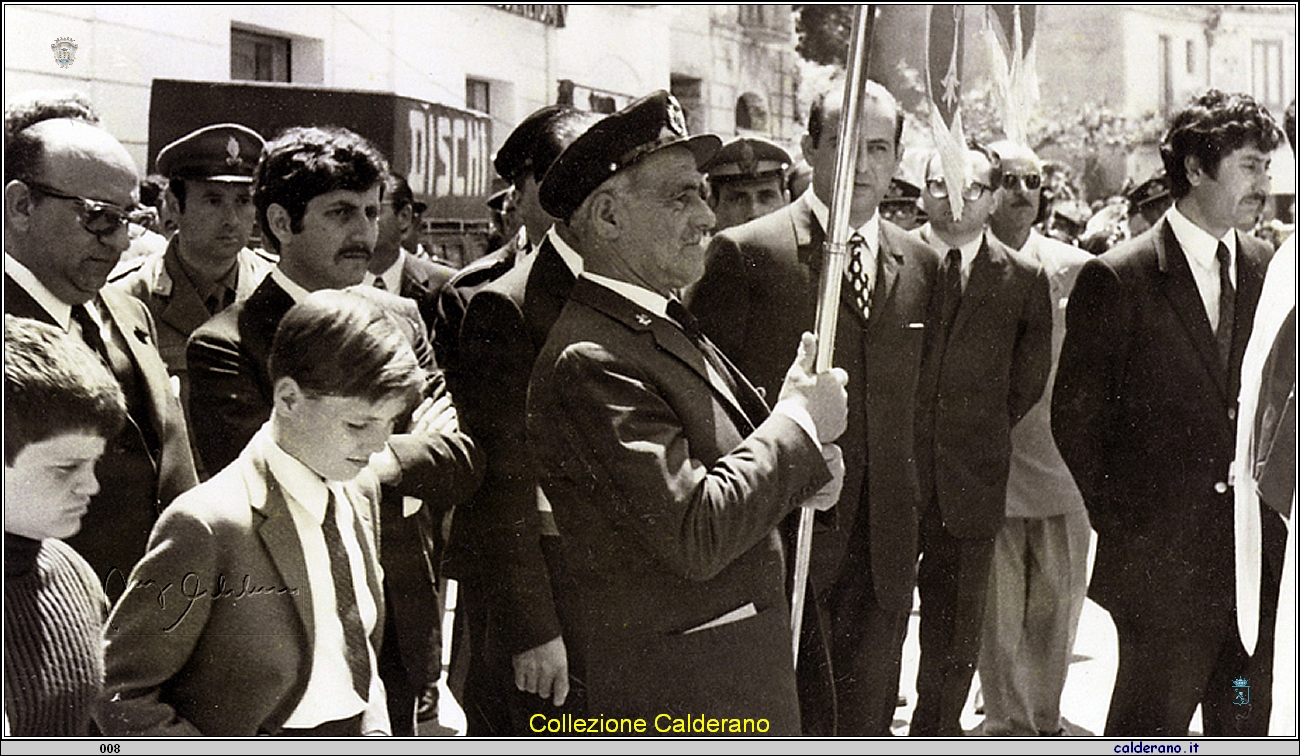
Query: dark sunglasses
x,y
99,218
1031,181
938,188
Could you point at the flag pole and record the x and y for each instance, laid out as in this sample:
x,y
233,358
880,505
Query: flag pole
x,y
832,270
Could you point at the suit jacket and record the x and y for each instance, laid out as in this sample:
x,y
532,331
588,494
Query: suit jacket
x,y
758,294
454,297
136,481
231,398
182,657
177,309
978,384
495,537
423,281
1144,415
667,498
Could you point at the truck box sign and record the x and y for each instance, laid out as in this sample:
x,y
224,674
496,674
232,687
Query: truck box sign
x,y
444,151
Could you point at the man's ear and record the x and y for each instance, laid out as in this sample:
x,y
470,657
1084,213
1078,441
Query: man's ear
x,y
18,205
405,219
287,396
605,217
1194,170
277,217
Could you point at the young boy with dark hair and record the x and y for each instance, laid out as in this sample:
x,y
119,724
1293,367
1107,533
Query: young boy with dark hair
x,y
61,405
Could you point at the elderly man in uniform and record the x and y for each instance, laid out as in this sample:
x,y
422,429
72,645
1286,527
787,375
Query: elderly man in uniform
x,y
1040,556
746,180
666,471
207,265
69,190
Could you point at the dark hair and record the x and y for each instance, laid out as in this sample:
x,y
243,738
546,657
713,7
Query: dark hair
x,y
25,152
1213,125
995,162
55,384
305,162
337,343
1288,124
152,188
834,96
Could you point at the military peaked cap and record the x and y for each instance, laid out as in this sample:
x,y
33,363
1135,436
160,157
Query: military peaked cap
x,y
748,158
222,152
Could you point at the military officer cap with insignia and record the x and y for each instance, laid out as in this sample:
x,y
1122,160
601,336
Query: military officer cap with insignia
x,y
537,141
222,152
1153,189
652,123
899,205
748,157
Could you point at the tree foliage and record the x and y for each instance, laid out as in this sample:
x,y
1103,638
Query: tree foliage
x,y
824,32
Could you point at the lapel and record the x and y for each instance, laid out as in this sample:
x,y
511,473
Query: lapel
x,y
415,285
546,290
888,261
144,354
258,318
184,310
280,536
985,272
1179,287
809,237
21,304
670,339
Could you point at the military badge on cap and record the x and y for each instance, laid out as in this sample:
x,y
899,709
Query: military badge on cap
x,y
223,152
648,125
748,158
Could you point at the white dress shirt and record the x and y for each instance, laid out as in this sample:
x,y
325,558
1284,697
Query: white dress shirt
x,y
1200,247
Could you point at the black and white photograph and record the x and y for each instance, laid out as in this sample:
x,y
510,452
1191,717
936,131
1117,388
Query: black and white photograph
x,y
595,373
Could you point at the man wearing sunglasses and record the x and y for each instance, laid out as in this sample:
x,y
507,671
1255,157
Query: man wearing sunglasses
x,y
1040,556
987,359
70,190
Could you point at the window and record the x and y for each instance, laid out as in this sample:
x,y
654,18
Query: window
x,y
258,57
478,95
689,93
1166,74
1266,72
1191,57
751,112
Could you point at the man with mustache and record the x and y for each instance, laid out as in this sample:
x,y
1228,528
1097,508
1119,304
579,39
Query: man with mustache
x,y
1040,556
1144,413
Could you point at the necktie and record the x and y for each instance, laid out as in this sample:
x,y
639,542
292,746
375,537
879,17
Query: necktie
x,y
345,599
748,400
90,333
379,283
220,300
1227,303
951,291
859,278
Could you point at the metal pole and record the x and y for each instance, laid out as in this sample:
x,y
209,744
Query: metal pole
x,y
833,265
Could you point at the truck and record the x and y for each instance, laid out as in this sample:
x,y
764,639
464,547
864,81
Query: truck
x,y
444,151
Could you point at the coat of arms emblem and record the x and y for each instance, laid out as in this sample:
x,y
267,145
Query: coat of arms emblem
x,y
65,51
1241,691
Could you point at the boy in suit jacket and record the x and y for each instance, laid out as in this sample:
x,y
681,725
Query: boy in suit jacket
x,y
258,608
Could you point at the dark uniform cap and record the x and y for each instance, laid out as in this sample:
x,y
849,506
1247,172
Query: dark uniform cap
x,y
747,158
901,192
223,152
648,125
1151,190
538,140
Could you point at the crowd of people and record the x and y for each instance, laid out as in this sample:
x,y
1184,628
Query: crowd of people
x,y
237,474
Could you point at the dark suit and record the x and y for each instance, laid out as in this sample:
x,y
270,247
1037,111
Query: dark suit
x,y
231,397
496,554
758,294
1143,412
454,297
149,463
219,665
667,500
423,281
977,381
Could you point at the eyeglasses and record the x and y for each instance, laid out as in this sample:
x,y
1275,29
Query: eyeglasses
x,y
99,218
938,189
1031,181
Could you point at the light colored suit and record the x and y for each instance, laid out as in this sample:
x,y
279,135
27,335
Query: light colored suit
x,y
215,633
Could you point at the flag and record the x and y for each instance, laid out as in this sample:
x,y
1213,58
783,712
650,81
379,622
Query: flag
x,y
1009,36
944,26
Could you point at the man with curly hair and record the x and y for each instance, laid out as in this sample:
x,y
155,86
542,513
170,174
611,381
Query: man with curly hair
x,y
1144,413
